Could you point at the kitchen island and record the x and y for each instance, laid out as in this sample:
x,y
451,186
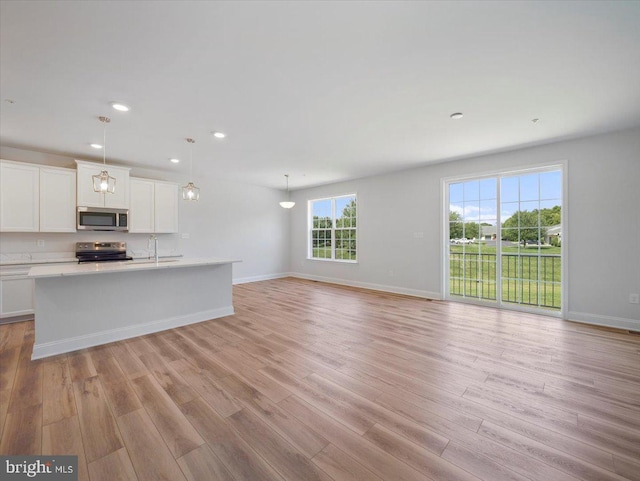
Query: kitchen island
x,y
84,305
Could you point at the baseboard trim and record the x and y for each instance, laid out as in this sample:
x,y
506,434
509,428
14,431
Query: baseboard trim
x,y
266,277
607,321
368,285
104,337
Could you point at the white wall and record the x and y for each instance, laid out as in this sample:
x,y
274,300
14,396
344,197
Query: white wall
x,y
602,237
238,221
231,220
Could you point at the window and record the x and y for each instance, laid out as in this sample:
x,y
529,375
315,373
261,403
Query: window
x,y
504,239
332,225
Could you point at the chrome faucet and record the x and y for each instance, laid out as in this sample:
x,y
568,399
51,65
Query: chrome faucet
x,y
153,238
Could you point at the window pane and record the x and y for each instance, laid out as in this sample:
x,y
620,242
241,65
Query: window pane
x,y
455,192
551,185
488,189
529,187
509,187
471,190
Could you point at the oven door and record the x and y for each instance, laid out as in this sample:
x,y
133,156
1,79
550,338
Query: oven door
x,y
95,218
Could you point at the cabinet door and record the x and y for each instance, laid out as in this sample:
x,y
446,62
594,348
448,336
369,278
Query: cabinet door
x,y
19,198
120,198
87,197
166,207
16,296
57,200
141,210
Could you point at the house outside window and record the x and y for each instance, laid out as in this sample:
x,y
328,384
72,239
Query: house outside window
x,y
333,228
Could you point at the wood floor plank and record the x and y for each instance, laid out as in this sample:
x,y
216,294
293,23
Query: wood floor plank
x,y
173,384
112,467
479,465
241,461
563,462
304,438
177,432
8,365
203,464
424,461
63,437
211,391
23,431
117,389
382,463
149,455
81,366
58,400
291,463
99,430
627,468
28,381
342,467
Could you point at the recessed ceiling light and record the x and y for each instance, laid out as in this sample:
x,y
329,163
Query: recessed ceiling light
x,y
219,135
96,146
175,161
457,115
120,107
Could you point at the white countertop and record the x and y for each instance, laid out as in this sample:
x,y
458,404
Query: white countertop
x,y
125,266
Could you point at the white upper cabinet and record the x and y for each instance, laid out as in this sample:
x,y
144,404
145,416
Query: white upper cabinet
x,y
141,210
166,207
87,197
154,207
19,197
57,200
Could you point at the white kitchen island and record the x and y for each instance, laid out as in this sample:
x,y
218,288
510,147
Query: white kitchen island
x,y
84,305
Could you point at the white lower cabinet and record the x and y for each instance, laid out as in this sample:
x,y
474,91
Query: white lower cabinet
x,y
154,207
16,292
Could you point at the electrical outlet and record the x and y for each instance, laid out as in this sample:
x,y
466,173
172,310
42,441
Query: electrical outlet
x,y
184,235
634,298
40,243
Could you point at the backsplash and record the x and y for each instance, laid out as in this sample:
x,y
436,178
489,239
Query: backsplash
x,y
24,245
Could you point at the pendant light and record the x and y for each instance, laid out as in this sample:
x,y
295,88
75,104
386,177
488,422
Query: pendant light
x,y
287,204
190,191
103,182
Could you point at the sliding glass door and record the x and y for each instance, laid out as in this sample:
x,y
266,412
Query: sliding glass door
x,y
504,239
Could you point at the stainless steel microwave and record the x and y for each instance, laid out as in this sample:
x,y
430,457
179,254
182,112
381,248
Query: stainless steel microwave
x,y
103,218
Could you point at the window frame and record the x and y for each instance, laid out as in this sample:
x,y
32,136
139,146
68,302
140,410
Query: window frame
x,y
310,229
560,165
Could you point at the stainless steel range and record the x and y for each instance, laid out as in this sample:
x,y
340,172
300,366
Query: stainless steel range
x,y
101,252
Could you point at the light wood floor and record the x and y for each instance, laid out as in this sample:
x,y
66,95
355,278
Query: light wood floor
x,y
310,381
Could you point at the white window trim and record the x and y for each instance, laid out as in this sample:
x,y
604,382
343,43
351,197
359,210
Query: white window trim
x,y
333,229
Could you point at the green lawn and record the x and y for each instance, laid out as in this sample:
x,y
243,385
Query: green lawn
x,y
472,273
341,254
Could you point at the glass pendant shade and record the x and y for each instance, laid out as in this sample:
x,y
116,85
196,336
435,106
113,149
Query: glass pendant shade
x,y
104,183
190,192
287,204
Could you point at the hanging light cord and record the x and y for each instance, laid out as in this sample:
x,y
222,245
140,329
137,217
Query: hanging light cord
x,y
191,141
105,121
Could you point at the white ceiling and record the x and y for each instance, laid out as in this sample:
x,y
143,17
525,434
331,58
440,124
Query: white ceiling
x,y
324,91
